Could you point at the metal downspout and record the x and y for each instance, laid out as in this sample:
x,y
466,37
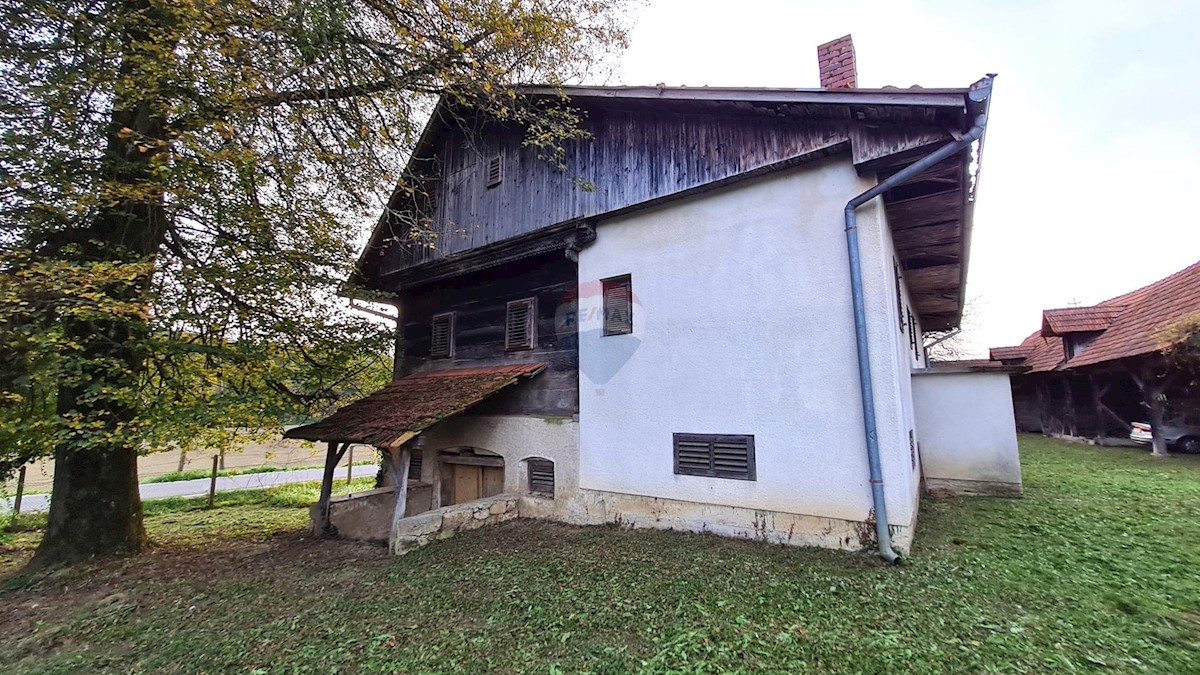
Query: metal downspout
x,y
882,535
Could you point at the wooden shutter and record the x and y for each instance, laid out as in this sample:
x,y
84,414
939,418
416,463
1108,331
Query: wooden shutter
x,y
618,305
716,455
495,170
520,325
899,295
441,344
541,477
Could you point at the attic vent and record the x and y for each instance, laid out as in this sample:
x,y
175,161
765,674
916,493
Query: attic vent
x,y
716,455
541,477
618,305
441,345
495,170
519,326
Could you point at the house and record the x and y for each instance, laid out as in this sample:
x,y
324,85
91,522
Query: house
x,y
1091,372
721,336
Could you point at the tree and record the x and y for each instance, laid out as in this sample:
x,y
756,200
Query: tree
x,y
181,186
1174,368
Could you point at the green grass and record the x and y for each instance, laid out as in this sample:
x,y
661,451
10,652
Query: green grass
x,y
1096,570
193,474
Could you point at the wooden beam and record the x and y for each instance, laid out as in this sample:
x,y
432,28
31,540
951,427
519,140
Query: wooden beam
x,y
332,456
937,277
397,461
930,209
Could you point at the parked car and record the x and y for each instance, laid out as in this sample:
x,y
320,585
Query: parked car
x,y
1179,435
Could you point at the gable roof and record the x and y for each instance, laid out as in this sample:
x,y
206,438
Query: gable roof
x,y
1079,319
1008,353
404,408
1127,324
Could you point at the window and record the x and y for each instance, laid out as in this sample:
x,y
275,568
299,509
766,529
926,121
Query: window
x,y
899,295
441,345
541,477
618,305
720,456
414,465
520,325
495,170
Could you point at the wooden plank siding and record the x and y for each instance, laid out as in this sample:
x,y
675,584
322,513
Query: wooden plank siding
x,y
478,301
630,159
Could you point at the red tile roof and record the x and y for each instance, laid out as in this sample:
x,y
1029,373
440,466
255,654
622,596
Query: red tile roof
x,y
1132,321
411,404
1008,353
1079,319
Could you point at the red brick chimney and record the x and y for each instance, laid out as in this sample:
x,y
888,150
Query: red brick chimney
x,y
836,60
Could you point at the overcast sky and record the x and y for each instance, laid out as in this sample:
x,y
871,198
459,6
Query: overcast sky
x,y
1084,192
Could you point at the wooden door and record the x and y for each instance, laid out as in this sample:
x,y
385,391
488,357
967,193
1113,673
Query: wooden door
x,y
468,483
493,480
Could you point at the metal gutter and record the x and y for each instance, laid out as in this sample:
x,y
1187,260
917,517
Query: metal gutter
x,y
978,95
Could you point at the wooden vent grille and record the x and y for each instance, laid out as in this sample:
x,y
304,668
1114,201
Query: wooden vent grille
x,y
541,477
716,455
618,305
520,325
495,171
441,344
414,465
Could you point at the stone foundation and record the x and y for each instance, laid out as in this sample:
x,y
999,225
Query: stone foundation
x,y
793,529
416,531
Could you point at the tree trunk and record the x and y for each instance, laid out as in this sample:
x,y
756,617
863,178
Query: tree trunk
x,y
95,507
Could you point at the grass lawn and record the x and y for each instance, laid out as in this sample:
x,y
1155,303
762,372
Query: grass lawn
x,y
1096,570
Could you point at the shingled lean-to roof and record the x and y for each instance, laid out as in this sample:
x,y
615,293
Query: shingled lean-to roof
x,y
404,408
1132,321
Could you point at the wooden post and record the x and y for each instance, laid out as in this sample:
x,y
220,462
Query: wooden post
x,y
20,490
222,459
332,457
398,470
212,483
350,466
182,460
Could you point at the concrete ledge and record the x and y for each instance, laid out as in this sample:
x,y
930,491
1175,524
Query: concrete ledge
x,y
367,516
416,531
956,487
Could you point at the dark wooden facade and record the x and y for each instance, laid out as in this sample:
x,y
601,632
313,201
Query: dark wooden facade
x,y
1095,405
478,301
647,147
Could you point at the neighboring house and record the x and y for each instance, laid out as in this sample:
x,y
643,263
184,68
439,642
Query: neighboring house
x,y
680,346
1093,371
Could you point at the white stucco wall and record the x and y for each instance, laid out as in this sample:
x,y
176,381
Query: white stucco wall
x,y
516,439
967,432
743,325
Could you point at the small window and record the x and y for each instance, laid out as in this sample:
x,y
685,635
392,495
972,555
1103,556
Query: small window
x,y
495,170
441,344
716,455
414,465
912,333
520,325
618,305
541,477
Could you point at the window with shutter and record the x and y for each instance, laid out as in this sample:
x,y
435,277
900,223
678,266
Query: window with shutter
x,y
541,477
520,325
716,455
495,170
441,345
618,305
